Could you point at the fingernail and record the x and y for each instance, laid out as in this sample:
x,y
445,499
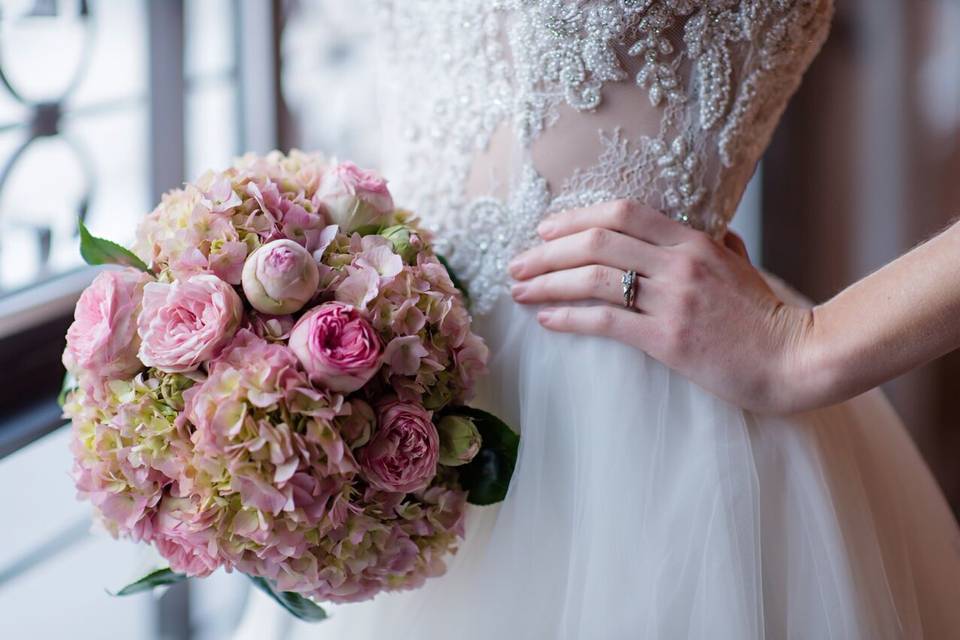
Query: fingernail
x,y
545,315
546,228
518,290
516,267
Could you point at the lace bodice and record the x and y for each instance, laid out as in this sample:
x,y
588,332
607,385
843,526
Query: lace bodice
x,y
497,112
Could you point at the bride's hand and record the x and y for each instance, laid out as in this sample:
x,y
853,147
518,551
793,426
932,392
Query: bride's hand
x,y
701,307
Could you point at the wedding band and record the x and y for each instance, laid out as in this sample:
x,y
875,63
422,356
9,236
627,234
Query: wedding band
x,y
629,282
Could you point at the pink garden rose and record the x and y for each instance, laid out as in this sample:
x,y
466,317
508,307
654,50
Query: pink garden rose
x,y
187,322
403,453
280,277
354,197
337,346
102,340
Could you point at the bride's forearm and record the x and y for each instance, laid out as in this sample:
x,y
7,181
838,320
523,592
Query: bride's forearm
x,y
892,321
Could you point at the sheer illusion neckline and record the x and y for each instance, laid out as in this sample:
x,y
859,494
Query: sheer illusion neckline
x,y
500,112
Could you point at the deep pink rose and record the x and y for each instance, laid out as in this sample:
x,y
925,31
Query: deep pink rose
x,y
354,197
187,322
102,340
402,455
337,346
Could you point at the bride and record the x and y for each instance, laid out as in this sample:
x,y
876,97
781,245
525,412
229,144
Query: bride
x,y
692,464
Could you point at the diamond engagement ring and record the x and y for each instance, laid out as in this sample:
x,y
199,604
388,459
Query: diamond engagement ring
x,y
629,282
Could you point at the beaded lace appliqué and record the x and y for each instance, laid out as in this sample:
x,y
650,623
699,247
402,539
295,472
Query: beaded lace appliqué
x,y
719,72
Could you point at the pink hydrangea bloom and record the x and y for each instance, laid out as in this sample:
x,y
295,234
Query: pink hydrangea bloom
x,y
378,255
183,235
185,533
404,354
126,450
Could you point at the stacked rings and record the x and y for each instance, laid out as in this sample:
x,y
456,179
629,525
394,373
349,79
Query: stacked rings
x,y
629,282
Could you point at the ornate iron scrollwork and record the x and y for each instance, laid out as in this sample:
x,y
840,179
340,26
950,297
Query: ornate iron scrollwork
x,y
44,121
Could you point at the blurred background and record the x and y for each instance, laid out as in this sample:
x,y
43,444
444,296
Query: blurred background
x,y
106,104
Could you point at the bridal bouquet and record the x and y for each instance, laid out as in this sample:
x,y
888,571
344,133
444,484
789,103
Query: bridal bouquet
x,y
275,383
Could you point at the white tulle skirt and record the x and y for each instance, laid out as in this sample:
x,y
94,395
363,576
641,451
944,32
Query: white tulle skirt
x,y
644,507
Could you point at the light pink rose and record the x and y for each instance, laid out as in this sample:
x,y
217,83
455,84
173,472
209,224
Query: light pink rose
x,y
354,197
280,277
187,322
102,340
402,456
337,346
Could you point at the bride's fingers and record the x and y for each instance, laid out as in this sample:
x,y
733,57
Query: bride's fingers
x,y
625,216
594,282
636,329
594,246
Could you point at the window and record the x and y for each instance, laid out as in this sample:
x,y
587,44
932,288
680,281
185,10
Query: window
x,y
104,104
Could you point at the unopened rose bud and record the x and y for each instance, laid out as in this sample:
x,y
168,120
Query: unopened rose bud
x,y
280,277
354,197
459,440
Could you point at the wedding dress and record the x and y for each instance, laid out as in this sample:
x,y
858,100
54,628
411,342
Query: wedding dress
x,y
642,506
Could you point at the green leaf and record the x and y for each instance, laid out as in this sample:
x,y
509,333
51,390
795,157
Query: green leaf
x,y
457,282
96,251
487,477
69,385
159,578
298,606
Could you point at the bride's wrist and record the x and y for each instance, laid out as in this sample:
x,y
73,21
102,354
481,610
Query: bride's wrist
x,y
809,372
820,369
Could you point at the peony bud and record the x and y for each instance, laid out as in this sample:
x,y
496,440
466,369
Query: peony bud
x,y
354,197
280,277
406,243
459,440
